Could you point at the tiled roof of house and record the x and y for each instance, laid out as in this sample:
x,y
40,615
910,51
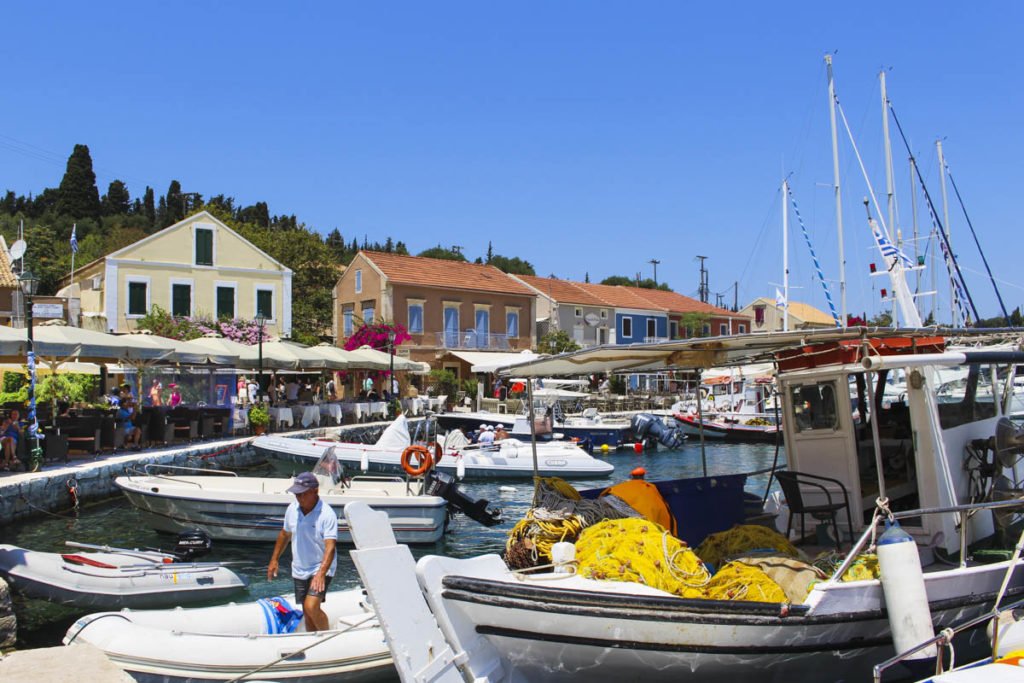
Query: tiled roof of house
x,y
562,291
802,312
432,272
679,303
7,276
619,296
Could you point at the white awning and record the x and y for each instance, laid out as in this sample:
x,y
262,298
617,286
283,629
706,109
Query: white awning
x,y
492,361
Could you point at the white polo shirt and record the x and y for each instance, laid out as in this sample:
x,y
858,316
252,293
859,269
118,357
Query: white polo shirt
x,y
309,533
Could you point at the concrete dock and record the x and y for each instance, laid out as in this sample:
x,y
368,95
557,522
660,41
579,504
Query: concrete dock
x,y
82,662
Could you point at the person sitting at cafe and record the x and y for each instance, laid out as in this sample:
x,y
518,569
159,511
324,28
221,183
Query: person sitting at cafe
x,y
114,400
10,433
126,391
175,395
291,391
126,415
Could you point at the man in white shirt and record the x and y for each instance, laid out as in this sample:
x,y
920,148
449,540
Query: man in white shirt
x,y
291,391
253,389
487,438
312,527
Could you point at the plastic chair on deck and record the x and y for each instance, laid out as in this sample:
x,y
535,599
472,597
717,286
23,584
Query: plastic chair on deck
x,y
791,483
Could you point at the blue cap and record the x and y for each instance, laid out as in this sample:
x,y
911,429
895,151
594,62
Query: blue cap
x,y
304,482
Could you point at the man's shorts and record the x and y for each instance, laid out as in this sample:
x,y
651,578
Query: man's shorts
x,y
302,589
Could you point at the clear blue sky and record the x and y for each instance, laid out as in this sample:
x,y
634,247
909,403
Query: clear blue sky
x,y
586,137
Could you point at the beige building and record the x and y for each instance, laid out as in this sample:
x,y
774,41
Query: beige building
x,y
765,316
197,267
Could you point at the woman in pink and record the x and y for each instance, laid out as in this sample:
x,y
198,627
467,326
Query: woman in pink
x,y
175,396
154,393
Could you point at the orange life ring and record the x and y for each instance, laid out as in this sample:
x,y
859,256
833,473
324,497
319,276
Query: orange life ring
x,y
423,460
438,452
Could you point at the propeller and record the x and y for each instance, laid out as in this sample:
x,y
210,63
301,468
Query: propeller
x,y
1009,445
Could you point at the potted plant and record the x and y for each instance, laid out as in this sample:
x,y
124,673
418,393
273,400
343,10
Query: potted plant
x,y
259,418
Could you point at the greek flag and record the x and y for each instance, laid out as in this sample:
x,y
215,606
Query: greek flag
x,y
780,298
74,239
887,248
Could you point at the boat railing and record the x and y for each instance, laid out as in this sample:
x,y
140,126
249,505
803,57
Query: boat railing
x,y
968,508
151,470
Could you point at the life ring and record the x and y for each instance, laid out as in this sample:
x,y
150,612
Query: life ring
x,y
438,452
423,460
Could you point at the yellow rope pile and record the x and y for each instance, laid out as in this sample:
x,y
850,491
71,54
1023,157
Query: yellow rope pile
x,y
865,567
641,551
741,539
529,542
738,581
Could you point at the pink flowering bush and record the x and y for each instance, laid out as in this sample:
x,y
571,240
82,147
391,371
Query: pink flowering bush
x,y
161,322
376,337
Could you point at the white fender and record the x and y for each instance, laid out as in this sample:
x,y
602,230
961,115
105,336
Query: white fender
x,y
364,461
905,597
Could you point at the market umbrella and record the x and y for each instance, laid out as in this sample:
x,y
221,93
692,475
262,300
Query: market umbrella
x,y
367,358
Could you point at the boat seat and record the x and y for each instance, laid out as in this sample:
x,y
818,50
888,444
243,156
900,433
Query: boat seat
x,y
793,485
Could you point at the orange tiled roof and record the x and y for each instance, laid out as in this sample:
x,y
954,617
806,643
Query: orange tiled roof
x,y
7,276
619,296
562,291
432,272
679,303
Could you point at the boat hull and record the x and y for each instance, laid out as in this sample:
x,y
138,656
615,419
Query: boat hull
x,y
511,459
47,576
546,633
210,645
728,432
596,435
414,520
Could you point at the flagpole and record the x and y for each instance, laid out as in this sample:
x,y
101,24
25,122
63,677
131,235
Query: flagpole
x,y
74,250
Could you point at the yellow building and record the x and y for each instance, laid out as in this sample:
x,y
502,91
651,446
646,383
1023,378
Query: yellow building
x,y
197,267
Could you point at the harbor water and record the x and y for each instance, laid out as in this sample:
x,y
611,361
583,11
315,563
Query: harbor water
x,y
116,523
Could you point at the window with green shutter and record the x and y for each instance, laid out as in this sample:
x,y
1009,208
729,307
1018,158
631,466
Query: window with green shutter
x,y
137,298
265,303
181,300
225,302
204,247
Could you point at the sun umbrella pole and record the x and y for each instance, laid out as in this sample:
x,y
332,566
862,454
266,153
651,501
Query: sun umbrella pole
x,y
533,440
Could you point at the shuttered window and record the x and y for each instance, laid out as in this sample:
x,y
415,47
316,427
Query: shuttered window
x,y
225,302
137,298
265,303
181,300
204,247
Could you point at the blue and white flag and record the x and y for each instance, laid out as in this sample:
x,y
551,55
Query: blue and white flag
x,y
887,248
74,239
780,298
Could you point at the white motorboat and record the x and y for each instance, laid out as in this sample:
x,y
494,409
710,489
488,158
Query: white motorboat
x,y
241,642
504,459
234,508
116,578
909,456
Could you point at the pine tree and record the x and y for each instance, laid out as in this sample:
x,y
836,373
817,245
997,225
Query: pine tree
x,y
389,246
490,252
148,207
401,249
117,200
160,218
586,277
77,196
174,206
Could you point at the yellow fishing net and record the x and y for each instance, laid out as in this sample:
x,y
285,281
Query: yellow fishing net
x,y
738,581
529,542
742,539
641,551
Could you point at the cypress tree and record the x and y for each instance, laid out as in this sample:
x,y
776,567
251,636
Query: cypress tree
x,y
117,201
77,195
174,205
149,206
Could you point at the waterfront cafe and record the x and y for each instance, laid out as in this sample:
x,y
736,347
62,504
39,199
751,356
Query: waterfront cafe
x,y
184,391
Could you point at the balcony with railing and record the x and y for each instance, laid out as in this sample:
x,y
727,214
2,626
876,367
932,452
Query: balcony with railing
x,y
472,339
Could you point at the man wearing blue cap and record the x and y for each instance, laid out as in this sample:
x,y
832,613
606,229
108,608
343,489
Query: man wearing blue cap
x,y
312,527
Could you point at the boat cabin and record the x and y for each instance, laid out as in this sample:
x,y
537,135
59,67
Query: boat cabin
x,y
838,403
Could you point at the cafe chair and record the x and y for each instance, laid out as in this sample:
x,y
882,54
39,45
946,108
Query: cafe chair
x,y
794,485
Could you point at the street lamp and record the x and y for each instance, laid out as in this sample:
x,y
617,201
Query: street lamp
x,y
261,321
29,283
391,364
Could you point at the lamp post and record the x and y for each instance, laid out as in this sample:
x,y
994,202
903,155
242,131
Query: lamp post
x,y
391,368
261,320
29,283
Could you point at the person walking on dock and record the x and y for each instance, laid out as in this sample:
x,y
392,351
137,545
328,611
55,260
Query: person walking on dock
x,y
312,527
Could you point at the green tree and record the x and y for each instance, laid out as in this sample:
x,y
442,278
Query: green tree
x,y
442,253
693,324
490,251
624,281
77,194
174,205
883,319
148,207
514,265
116,201
557,341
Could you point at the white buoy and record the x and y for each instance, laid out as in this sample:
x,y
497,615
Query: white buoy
x,y
563,554
507,489
460,468
906,600
364,461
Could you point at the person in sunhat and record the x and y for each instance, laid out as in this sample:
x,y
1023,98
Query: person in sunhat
x,y
312,527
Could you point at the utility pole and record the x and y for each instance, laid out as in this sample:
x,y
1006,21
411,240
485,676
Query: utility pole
x,y
703,288
735,296
654,262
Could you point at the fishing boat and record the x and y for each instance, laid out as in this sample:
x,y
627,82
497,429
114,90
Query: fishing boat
x,y
904,462
736,405
246,641
114,578
233,508
504,459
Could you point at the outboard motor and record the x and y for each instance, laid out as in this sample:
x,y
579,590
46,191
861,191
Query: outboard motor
x,y
443,485
192,543
645,424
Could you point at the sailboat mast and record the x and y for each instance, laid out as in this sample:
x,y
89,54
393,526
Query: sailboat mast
x,y
785,255
835,184
890,192
945,222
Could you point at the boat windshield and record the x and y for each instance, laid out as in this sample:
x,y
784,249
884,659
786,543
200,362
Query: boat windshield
x,y
327,469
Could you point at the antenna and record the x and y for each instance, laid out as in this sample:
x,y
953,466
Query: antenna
x,y
703,288
654,262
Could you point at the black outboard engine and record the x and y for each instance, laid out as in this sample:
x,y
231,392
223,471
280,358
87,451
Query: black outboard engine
x,y
645,424
192,543
443,485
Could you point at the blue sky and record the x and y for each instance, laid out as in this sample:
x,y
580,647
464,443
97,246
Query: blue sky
x,y
586,137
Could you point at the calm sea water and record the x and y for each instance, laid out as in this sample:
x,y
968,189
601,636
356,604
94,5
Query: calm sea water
x,y
116,523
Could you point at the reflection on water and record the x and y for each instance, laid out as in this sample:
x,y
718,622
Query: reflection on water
x,y
116,523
